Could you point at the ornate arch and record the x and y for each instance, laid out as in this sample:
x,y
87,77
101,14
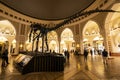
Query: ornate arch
x,y
112,28
67,32
67,40
91,26
7,28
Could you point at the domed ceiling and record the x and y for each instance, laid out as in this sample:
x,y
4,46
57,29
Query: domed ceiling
x,y
48,9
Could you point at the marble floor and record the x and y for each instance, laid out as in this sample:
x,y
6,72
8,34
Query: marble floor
x,y
75,69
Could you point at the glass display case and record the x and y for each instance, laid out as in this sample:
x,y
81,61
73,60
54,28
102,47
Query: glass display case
x,y
40,62
17,59
23,59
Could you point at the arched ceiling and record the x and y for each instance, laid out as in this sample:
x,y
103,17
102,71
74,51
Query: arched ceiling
x,y
67,35
91,26
6,28
52,35
48,9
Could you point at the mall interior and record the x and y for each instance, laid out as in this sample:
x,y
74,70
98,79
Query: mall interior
x,y
95,31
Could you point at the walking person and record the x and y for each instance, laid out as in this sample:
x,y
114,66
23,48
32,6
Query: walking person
x,y
91,52
5,57
3,60
85,54
104,55
68,55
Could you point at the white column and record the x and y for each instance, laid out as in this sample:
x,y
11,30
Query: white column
x,y
9,48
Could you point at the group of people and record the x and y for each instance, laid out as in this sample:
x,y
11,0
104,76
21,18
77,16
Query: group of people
x,y
104,55
86,52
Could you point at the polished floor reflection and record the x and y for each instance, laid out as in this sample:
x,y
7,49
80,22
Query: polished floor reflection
x,y
75,69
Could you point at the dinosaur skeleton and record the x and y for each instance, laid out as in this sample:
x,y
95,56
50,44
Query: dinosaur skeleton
x,y
40,31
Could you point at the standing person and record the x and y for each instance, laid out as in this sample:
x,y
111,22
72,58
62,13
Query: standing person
x,y
85,54
3,60
104,55
50,50
67,55
5,56
53,51
91,52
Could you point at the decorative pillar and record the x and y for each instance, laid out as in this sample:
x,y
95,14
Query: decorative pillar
x,y
17,39
17,47
81,44
77,41
106,45
9,48
59,40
